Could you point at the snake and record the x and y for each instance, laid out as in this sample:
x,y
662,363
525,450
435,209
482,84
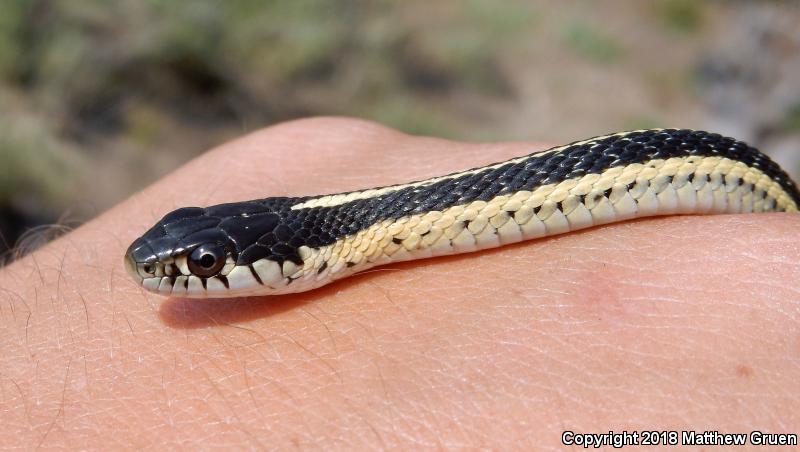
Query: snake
x,y
280,245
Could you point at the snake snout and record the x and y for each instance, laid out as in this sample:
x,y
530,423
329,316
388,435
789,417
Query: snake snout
x,y
130,266
140,261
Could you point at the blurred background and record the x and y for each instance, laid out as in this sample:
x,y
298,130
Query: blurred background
x,y
99,98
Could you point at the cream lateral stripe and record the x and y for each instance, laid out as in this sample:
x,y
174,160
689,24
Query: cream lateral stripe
x,y
539,213
680,185
282,244
343,198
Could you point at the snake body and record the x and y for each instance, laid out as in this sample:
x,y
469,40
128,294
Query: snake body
x,y
291,244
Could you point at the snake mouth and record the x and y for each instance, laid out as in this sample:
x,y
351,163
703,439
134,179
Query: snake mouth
x,y
153,276
142,271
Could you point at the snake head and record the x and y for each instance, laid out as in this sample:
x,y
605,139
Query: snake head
x,y
186,242
217,251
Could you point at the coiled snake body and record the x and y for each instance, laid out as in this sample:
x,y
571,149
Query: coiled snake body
x,y
292,244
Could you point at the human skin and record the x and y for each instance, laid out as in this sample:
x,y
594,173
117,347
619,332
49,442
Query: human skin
x,y
675,323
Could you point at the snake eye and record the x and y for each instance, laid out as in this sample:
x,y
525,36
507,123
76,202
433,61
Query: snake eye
x,y
206,260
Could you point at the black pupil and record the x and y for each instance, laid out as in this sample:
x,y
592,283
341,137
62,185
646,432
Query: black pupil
x,y
207,260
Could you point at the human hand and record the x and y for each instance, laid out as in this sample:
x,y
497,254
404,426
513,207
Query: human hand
x,y
678,323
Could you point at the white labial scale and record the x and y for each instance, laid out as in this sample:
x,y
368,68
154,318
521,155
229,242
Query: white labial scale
x,y
195,286
151,284
229,265
269,271
241,278
181,262
169,270
215,285
180,285
165,286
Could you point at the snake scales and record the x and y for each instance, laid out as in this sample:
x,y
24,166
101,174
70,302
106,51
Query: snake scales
x,y
292,244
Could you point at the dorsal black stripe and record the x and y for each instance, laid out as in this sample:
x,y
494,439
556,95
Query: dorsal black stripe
x,y
268,228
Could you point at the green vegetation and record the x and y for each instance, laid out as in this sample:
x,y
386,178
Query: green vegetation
x,y
791,122
643,121
98,98
684,16
592,44
34,167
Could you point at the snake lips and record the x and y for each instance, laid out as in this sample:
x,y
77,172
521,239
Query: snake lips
x,y
292,244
